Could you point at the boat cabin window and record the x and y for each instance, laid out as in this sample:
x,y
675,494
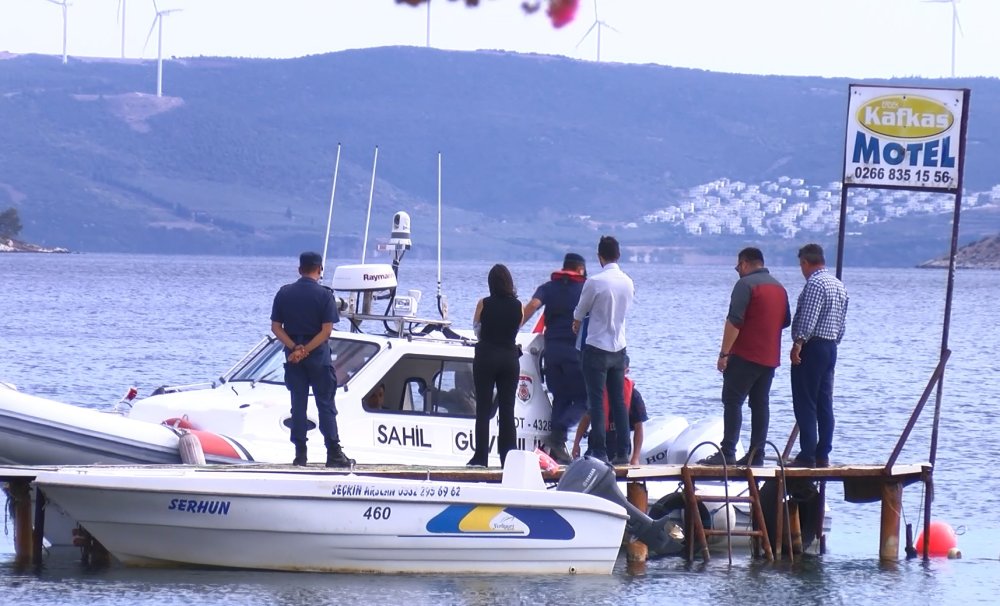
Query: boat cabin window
x,y
430,386
266,363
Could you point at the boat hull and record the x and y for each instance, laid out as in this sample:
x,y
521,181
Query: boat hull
x,y
338,523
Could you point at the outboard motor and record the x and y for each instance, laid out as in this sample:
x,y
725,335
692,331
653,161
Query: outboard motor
x,y
593,476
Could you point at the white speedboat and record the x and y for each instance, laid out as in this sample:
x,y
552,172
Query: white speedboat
x,y
312,520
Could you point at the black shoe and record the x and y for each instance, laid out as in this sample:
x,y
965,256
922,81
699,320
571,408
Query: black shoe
x,y
718,459
559,453
476,461
822,461
758,460
300,456
335,457
800,461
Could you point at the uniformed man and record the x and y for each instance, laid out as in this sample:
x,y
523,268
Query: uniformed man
x,y
563,374
302,318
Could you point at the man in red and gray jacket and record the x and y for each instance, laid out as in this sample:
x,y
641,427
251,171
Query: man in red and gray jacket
x,y
751,350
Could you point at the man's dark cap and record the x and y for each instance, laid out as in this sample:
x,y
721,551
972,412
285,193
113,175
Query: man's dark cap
x,y
573,258
310,259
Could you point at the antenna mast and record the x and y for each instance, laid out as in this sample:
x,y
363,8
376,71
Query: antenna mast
x,y
329,215
368,220
442,302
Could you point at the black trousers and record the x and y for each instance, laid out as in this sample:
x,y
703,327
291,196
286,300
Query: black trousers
x,y
495,367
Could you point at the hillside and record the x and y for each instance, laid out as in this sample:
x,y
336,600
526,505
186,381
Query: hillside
x,y
539,153
981,254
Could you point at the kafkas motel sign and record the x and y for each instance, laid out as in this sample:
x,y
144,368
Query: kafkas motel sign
x,y
906,138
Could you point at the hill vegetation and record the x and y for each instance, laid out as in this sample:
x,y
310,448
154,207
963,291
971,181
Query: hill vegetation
x,y
539,153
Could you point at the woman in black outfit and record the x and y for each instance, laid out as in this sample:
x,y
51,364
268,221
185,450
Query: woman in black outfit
x,y
497,320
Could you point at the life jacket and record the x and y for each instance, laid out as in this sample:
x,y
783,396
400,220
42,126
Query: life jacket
x,y
557,276
629,385
572,276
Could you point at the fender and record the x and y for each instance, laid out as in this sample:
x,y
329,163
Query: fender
x,y
674,505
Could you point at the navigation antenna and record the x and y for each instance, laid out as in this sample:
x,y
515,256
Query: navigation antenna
x,y
441,299
329,215
368,220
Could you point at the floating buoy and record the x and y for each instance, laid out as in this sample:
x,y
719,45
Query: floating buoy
x,y
942,540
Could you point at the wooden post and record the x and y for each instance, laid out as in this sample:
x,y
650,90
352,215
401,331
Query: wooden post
x,y
20,494
636,551
892,504
779,518
38,545
795,528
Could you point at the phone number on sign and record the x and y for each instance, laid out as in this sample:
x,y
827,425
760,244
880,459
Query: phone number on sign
x,y
906,175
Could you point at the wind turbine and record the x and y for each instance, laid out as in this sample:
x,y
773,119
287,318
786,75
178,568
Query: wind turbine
x,y
955,25
597,24
157,24
64,4
121,18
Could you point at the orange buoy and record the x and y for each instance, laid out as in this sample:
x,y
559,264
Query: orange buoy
x,y
942,540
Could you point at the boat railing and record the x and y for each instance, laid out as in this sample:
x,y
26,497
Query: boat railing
x,y
411,326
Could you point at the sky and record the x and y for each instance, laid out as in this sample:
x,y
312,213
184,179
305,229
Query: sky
x,y
833,38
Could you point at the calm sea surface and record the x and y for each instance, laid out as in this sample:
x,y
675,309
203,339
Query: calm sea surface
x,y
83,328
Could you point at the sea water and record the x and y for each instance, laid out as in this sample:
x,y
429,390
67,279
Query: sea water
x,y
83,328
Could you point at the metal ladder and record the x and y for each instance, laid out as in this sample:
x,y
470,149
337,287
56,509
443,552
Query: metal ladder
x,y
697,533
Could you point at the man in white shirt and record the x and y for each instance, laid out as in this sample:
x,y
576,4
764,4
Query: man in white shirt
x,y
606,297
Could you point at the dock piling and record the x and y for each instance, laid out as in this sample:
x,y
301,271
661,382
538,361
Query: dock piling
x,y
636,551
892,504
24,541
39,531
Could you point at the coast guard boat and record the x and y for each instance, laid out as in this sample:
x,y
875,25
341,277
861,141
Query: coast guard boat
x,y
422,365
426,416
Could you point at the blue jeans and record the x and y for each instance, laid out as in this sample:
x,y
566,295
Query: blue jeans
x,y
605,370
744,378
298,378
812,398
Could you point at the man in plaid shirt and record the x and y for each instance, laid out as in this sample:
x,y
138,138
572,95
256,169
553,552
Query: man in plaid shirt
x,y
817,328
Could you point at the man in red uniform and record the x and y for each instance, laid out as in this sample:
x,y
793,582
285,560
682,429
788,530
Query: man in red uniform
x,y
751,350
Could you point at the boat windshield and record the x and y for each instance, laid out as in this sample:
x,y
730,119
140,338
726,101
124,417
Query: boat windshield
x,y
267,365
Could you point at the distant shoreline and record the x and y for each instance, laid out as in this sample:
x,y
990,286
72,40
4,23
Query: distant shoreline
x,y
10,245
982,254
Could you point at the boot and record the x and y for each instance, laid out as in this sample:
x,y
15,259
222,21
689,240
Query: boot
x,y
300,456
556,444
335,457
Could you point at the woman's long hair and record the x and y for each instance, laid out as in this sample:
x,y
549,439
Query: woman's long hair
x,y
500,281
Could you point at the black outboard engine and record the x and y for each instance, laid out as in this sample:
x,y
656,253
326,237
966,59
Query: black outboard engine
x,y
593,476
